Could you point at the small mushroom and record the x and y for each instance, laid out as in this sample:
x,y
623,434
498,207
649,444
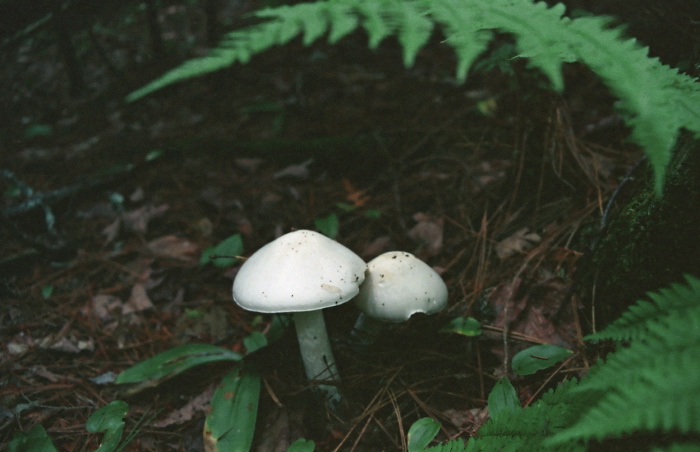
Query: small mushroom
x,y
398,285
302,273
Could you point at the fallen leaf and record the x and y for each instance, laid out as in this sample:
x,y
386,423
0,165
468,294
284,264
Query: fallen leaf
x,y
376,247
199,404
249,165
300,171
174,247
355,196
137,220
429,232
20,344
68,344
103,306
517,243
112,230
138,301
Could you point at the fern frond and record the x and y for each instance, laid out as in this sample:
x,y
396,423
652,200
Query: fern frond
x,y
634,322
654,381
456,445
526,429
653,399
657,100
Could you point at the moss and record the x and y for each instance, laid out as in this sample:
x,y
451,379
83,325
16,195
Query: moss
x,y
652,241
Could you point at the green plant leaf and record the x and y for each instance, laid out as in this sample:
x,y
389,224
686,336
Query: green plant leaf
x,y
421,433
254,341
175,361
38,130
230,425
503,398
110,420
232,246
328,226
46,291
538,357
302,445
372,213
466,326
35,440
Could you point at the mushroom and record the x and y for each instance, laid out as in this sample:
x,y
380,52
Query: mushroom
x,y
398,285
302,273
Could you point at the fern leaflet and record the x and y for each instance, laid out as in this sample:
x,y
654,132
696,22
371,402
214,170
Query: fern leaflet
x,y
634,322
658,100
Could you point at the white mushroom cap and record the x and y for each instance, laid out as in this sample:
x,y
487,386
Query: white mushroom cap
x,y
300,271
399,285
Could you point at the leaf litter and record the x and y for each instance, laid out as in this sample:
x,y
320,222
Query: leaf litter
x,y
441,179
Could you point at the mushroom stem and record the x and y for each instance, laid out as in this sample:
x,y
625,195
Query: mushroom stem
x,y
316,353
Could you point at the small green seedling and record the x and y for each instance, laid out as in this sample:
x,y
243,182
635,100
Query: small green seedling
x,y
110,420
538,357
35,440
328,226
46,292
225,253
302,445
421,433
466,326
503,398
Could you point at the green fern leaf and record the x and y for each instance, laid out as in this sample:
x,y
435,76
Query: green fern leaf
x,y
634,322
526,429
659,398
414,30
343,22
456,445
657,100
654,381
461,28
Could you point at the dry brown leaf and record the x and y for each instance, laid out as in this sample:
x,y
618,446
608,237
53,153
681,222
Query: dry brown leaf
x,y
517,243
300,171
138,301
174,247
199,404
429,232
376,247
103,306
137,220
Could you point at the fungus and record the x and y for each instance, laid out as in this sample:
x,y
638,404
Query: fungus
x,y
398,285
302,273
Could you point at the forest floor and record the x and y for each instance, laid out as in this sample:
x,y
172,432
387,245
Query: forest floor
x,y
498,184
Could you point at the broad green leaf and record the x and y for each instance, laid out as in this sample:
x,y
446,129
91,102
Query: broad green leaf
x,y
328,226
232,246
35,440
538,357
110,420
254,341
208,251
302,445
503,398
466,326
175,361
230,425
421,433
